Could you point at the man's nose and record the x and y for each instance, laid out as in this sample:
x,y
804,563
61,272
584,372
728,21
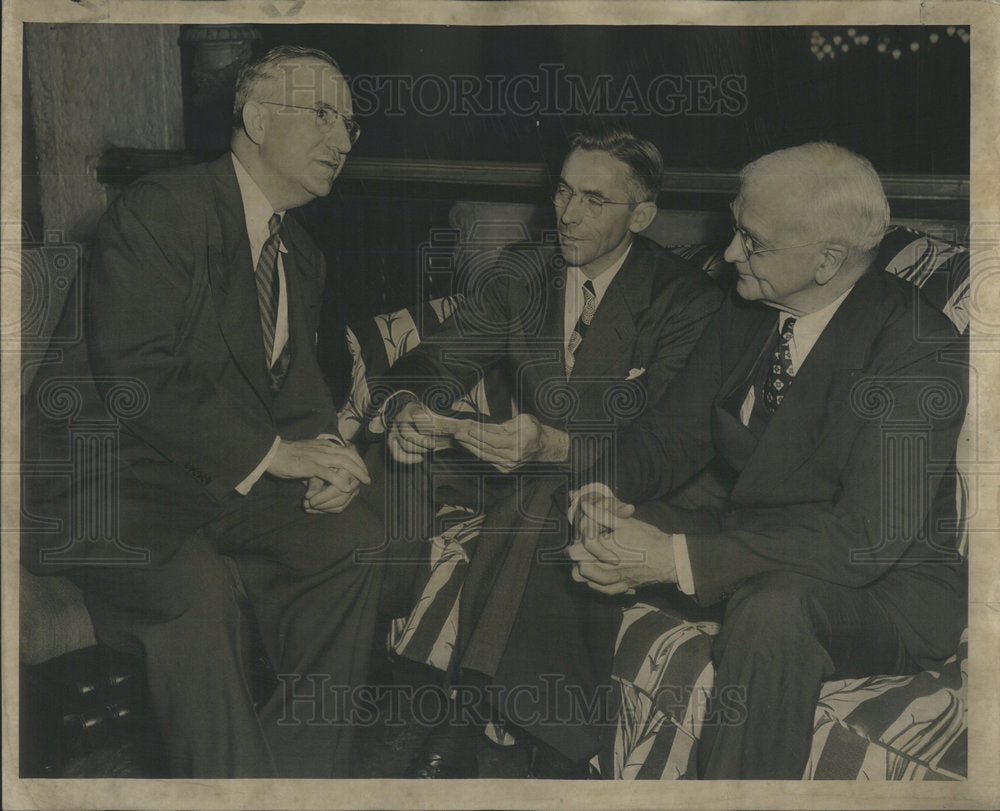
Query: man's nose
x,y
338,138
572,212
734,250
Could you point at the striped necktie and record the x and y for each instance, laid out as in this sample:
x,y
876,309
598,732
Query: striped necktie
x,y
582,323
779,372
268,287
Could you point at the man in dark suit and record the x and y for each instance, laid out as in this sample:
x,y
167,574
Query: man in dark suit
x,y
834,396
582,333
201,307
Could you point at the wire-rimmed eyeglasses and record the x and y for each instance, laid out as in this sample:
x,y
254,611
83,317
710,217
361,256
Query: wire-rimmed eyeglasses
x,y
591,203
326,118
749,244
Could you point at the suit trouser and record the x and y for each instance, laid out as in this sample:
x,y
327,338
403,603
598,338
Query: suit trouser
x,y
782,635
555,670
315,608
542,642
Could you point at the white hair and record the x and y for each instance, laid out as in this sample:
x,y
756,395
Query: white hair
x,y
846,201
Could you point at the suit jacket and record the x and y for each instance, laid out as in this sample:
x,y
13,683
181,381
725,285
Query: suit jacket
x,y
173,343
513,321
852,479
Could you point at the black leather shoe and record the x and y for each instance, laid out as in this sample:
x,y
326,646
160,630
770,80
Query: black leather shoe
x,y
431,765
549,764
448,752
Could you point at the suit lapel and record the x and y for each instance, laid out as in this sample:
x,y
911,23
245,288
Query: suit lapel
x,y
231,277
607,350
757,338
299,256
554,285
303,395
818,398
303,280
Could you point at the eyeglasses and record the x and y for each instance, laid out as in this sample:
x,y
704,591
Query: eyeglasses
x,y
592,204
748,243
326,118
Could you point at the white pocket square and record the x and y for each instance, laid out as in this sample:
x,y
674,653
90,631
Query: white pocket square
x,y
634,373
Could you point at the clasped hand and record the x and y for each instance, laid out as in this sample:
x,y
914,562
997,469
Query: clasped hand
x,y
506,445
613,552
416,431
334,472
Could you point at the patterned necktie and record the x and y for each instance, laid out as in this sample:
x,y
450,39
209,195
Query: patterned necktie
x,y
580,330
780,372
268,287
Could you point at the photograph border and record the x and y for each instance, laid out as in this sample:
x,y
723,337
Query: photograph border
x,y
980,790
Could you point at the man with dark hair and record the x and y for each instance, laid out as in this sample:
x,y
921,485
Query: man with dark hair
x,y
833,395
582,333
233,484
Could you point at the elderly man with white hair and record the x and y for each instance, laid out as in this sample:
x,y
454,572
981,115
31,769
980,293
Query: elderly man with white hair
x,y
831,554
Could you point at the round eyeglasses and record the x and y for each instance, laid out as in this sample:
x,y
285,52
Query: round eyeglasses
x,y
326,118
748,243
591,203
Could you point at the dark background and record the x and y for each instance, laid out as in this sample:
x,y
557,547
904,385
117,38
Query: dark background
x,y
907,111
907,115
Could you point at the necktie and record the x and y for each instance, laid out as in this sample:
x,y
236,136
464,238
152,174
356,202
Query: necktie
x,y
780,372
268,287
580,330
268,291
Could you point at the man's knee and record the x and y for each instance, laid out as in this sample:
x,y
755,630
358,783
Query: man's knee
x,y
202,596
770,614
182,606
774,595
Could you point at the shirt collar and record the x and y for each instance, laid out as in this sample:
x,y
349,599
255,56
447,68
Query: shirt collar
x,y
811,325
603,281
256,207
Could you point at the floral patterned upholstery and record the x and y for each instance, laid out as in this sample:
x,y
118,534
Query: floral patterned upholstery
x,y
875,728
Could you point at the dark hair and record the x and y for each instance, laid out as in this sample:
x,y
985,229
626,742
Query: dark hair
x,y
265,67
642,158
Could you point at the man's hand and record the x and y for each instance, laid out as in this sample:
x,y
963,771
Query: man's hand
x,y
594,509
317,458
508,445
417,431
614,553
334,497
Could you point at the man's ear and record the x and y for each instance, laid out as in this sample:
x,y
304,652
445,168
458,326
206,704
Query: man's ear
x,y
254,121
642,215
832,259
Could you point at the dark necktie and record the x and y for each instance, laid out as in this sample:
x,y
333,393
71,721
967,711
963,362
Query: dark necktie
x,y
268,287
268,292
580,330
780,372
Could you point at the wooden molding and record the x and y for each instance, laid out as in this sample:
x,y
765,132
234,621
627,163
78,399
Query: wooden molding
x,y
932,196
